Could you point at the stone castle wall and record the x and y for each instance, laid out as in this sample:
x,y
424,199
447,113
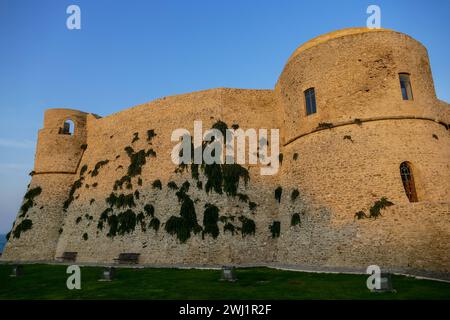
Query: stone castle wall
x,y
337,171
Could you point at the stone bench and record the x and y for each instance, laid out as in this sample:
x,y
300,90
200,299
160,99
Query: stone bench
x,y
68,257
127,258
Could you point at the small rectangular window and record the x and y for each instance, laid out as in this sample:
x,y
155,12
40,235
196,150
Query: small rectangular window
x,y
405,85
310,99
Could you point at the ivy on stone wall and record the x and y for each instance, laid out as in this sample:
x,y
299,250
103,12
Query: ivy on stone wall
x,y
135,137
243,197
154,224
210,219
118,184
150,135
248,226
295,219
294,195
97,167
29,197
278,192
172,185
83,169
375,210
137,160
275,229
157,184
76,185
229,227
360,215
121,201
23,226
186,223
325,125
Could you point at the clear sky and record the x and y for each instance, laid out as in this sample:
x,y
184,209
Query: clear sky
x,y
129,52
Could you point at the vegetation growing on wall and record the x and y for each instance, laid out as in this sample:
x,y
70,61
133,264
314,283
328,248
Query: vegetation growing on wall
x,y
278,192
23,226
118,184
229,227
97,167
157,184
375,210
360,215
186,223
172,185
347,137
219,177
154,224
137,160
149,210
295,219
76,185
135,137
29,197
210,219
248,226
325,125
243,197
275,229
83,169
294,195
121,201
150,135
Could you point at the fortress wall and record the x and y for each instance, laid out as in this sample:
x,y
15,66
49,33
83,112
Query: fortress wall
x,y
338,177
107,139
338,172
39,243
356,76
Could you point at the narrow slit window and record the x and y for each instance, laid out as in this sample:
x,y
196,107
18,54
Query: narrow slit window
x,y
310,98
408,181
405,86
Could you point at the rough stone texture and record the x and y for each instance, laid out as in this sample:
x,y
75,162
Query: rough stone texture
x,y
355,76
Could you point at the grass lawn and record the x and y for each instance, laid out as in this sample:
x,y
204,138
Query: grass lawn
x,y
49,282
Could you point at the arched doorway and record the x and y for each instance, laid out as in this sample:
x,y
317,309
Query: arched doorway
x,y
407,176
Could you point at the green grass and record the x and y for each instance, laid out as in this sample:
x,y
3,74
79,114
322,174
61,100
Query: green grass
x,y
49,282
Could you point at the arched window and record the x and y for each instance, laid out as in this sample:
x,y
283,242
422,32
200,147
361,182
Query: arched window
x,y
405,86
310,100
408,181
68,127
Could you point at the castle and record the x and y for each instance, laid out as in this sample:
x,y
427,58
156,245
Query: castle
x,y
364,172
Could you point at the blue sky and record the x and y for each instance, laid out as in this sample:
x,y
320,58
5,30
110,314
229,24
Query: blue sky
x,y
130,52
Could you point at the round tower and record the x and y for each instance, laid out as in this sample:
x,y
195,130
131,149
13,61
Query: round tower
x,y
60,146
60,141
361,113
